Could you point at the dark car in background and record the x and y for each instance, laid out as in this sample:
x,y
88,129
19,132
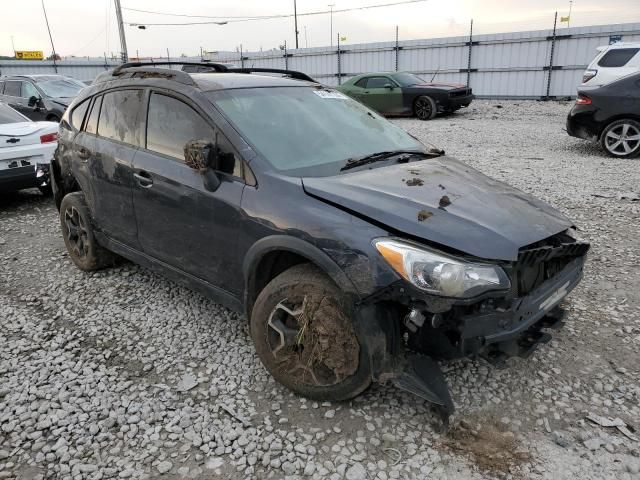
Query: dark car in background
x,y
407,94
610,115
39,97
356,253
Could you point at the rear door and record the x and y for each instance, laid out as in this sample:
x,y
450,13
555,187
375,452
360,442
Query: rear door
x,y
105,148
382,94
180,222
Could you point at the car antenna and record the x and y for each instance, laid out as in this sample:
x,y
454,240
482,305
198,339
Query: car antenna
x,y
436,73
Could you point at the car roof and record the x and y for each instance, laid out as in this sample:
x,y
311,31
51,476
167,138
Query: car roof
x,y
223,81
36,77
619,45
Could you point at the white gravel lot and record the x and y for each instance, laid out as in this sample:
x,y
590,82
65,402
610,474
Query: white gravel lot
x,y
122,373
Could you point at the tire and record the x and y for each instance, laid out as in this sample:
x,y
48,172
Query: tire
x,y
77,231
424,108
621,139
305,338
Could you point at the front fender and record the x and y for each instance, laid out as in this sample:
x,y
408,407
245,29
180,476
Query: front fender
x,y
300,247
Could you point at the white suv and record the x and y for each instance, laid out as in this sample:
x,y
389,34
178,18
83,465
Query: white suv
x,y
612,62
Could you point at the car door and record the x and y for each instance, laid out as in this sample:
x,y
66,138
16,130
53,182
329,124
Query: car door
x,y
35,110
180,222
113,131
383,94
11,96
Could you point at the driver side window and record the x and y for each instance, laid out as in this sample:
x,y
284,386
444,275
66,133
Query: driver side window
x,y
29,91
378,82
172,123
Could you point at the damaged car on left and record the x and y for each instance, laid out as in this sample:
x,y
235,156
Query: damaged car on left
x,y
26,150
356,253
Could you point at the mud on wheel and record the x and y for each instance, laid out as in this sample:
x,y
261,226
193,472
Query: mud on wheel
x,y
77,231
303,335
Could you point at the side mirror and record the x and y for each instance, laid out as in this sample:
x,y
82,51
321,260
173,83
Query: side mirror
x,y
389,86
201,156
33,101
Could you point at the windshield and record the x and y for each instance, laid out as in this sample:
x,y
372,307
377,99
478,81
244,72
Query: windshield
x,y
64,87
408,79
305,131
9,115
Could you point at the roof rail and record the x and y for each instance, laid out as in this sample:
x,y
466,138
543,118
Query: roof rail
x,y
288,73
219,67
137,69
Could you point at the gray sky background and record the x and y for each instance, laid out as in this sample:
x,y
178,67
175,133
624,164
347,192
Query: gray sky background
x,y
88,27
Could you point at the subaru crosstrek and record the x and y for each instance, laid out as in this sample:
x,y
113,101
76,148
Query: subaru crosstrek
x,y
356,253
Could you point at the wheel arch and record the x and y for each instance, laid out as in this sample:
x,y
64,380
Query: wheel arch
x,y
615,118
62,182
272,255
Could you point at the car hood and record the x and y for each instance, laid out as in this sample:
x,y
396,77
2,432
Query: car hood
x,y
64,101
444,201
444,86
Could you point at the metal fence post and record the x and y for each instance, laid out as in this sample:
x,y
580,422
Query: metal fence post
x,y
553,46
469,57
397,48
339,67
241,57
286,57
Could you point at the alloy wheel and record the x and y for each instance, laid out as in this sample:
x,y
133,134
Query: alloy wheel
x,y
76,232
423,108
302,336
623,139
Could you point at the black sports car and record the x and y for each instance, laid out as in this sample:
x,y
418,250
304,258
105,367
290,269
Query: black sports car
x,y
609,114
406,94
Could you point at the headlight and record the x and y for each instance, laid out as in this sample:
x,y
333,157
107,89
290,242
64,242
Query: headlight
x,y
440,274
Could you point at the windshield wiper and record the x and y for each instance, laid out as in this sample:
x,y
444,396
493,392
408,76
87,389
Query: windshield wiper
x,y
379,156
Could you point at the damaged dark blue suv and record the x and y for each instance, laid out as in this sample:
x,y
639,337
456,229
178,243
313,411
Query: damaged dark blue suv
x,y
357,253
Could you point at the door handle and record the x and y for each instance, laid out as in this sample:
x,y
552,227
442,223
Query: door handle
x,y
84,153
143,178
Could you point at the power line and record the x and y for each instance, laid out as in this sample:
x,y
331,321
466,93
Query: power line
x,y
263,17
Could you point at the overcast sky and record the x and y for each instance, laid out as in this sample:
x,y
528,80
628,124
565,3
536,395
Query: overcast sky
x,y
88,27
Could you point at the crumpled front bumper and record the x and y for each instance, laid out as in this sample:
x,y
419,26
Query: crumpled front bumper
x,y
501,326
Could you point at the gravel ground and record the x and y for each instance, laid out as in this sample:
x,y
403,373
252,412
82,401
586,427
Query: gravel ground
x,y
121,373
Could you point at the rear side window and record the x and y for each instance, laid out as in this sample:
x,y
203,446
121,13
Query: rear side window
x,y
171,123
362,83
617,57
77,116
92,120
121,116
12,88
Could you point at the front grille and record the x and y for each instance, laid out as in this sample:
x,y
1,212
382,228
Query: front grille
x,y
541,261
463,92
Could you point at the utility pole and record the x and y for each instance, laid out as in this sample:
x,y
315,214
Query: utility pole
x,y
331,5
55,65
123,41
306,42
14,46
295,19
553,47
570,7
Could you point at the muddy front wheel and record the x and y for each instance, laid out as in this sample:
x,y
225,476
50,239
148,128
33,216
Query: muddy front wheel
x,y
304,336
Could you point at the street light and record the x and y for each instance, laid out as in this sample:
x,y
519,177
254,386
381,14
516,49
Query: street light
x,y
331,5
